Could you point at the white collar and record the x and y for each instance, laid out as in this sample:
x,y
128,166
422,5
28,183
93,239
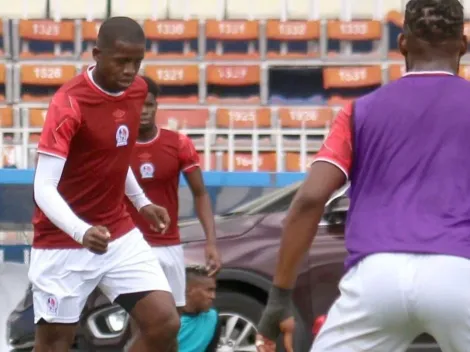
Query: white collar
x,y
90,76
419,73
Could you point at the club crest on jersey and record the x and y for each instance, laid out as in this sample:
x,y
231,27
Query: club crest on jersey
x,y
147,170
122,135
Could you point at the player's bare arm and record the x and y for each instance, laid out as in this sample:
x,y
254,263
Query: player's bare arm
x,y
327,174
300,227
157,216
202,204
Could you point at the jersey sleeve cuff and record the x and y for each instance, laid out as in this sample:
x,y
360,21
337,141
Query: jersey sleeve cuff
x,y
335,163
52,152
190,168
79,230
139,201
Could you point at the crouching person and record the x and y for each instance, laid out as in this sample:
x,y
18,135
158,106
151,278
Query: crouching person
x,y
200,327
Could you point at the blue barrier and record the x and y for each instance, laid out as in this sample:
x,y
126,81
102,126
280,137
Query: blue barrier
x,y
212,178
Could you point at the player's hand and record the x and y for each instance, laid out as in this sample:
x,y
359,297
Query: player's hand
x,y
96,239
157,217
277,318
263,344
213,262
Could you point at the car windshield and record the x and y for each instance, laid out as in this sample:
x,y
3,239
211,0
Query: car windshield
x,y
277,201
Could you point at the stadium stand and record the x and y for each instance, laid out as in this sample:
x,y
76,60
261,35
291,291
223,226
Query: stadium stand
x,y
255,83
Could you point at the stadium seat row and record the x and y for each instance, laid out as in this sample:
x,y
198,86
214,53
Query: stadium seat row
x,y
35,82
193,84
186,9
211,39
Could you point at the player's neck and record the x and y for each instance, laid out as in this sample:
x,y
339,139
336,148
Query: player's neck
x,y
432,66
100,82
147,135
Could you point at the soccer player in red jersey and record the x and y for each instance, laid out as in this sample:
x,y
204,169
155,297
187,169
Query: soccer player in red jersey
x,y
83,235
160,155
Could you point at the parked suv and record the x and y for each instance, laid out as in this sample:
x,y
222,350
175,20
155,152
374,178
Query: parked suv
x,y
248,240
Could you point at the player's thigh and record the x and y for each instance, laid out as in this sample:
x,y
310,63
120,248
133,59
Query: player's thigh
x,y
61,282
171,259
370,314
132,268
443,303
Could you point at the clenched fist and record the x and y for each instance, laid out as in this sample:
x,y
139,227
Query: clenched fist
x,y
96,239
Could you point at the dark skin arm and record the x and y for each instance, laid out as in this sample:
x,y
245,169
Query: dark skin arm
x,y
300,228
202,204
303,218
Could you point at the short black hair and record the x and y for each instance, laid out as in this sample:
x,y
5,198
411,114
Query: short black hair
x,y
119,29
153,87
194,272
434,21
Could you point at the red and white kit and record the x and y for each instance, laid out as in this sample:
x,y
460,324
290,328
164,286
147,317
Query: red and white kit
x,y
81,180
157,165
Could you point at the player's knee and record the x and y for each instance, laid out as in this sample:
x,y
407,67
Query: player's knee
x,y
163,327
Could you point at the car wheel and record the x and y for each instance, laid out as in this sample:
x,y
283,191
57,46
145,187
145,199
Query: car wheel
x,y
239,314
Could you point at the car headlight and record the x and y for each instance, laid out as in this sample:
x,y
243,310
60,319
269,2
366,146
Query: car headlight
x,y
108,322
117,321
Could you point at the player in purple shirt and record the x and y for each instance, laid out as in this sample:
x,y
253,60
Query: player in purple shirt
x,y
404,148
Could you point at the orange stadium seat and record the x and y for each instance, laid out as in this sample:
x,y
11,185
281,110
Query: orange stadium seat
x,y
89,30
3,82
344,84
191,121
244,162
171,39
6,116
396,71
394,20
186,119
243,119
293,162
233,84
314,120
363,37
38,82
232,39
464,72
292,39
2,40
36,117
46,39
212,161
179,83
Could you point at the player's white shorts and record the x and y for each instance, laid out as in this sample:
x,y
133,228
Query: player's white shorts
x,y
387,300
172,261
64,278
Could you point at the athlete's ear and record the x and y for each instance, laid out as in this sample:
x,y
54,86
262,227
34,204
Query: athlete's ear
x,y
463,46
402,44
96,52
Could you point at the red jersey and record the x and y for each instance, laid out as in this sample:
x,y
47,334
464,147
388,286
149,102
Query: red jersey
x,y
157,165
95,132
337,148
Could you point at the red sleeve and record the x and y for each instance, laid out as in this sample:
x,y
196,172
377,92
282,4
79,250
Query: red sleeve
x,y
337,148
189,159
62,122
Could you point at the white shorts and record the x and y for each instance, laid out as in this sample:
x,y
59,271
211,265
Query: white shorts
x,y
387,300
172,261
64,278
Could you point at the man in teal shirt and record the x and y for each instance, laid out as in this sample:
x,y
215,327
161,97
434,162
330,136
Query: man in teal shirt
x,y
200,328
